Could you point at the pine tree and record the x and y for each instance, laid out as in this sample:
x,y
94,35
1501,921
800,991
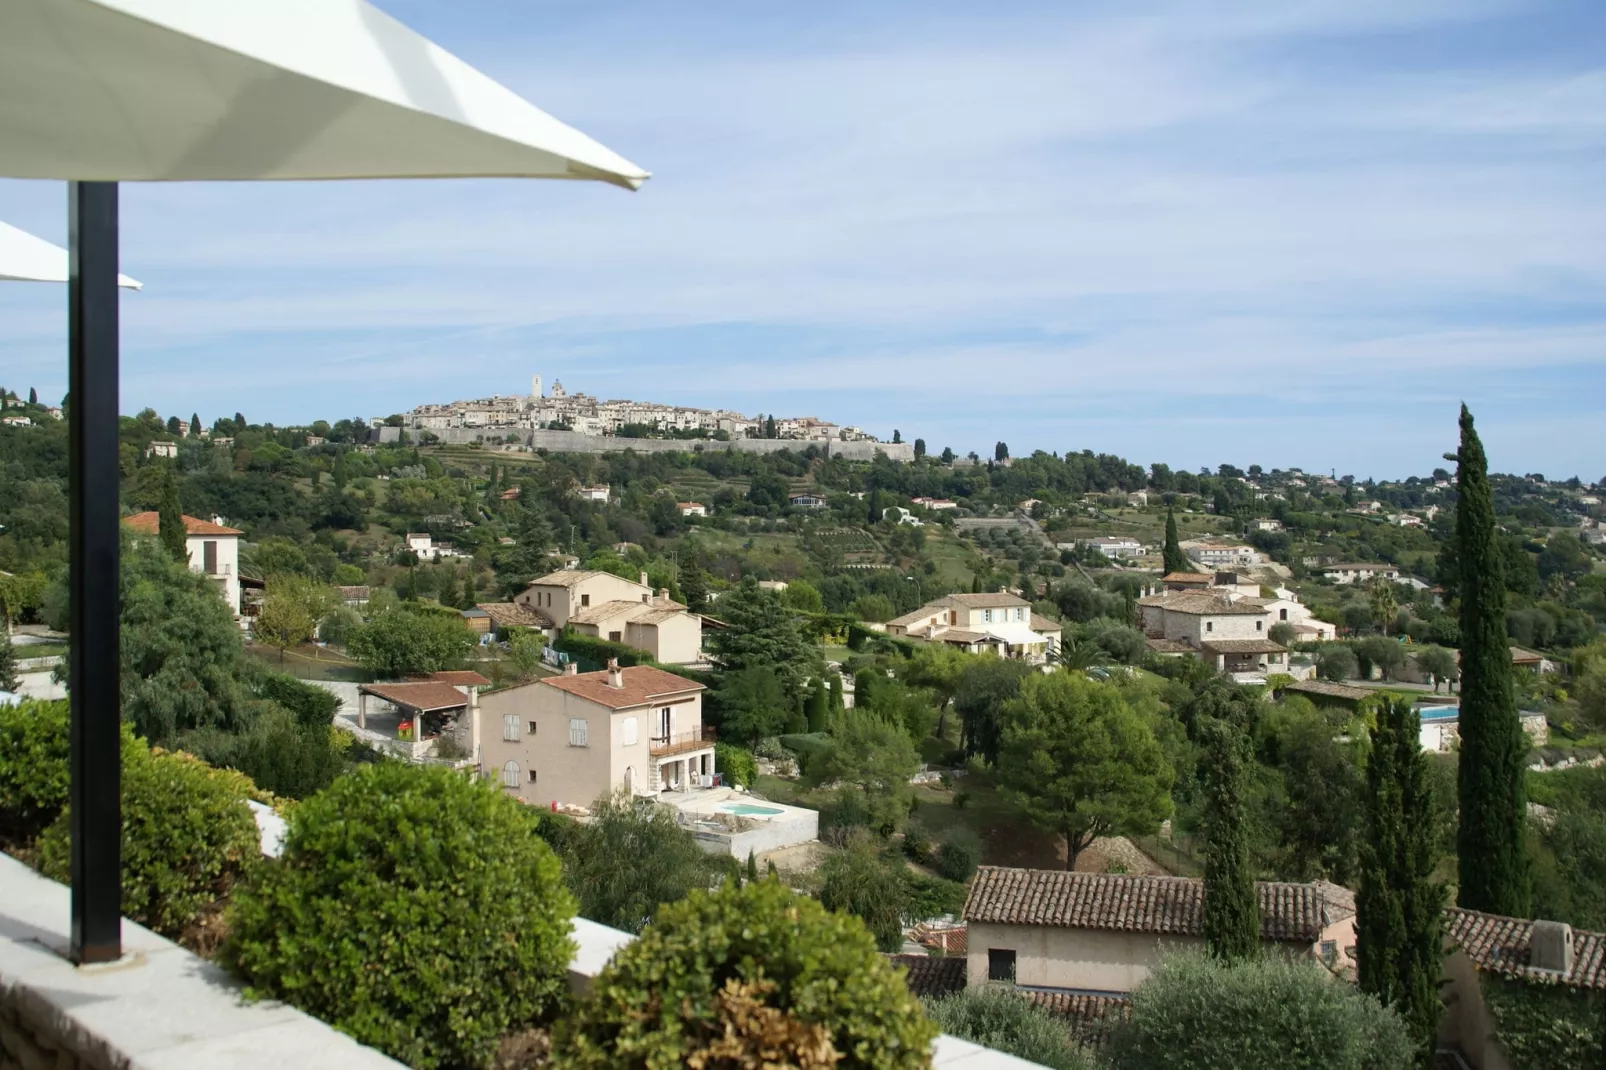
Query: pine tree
x,y
173,426
1491,853
8,663
170,522
1175,559
1399,944
1231,908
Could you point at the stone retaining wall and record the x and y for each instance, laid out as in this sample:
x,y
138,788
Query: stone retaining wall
x,y
575,442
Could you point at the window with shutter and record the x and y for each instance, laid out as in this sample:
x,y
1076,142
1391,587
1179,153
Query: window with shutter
x,y
510,727
577,732
510,775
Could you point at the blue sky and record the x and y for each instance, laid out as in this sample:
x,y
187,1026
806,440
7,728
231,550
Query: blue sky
x,y
1285,232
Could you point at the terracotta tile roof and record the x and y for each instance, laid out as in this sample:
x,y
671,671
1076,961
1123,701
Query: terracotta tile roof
x,y
917,616
1242,646
1500,945
932,976
604,611
1090,1016
456,677
1357,566
642,684
1161,905
419,695
1519,655
1043,624
151,524
516,615
1186,577
987,601
1169,646
568,577
947,939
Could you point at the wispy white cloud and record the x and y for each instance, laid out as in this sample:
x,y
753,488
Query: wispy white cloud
x,y
1178,198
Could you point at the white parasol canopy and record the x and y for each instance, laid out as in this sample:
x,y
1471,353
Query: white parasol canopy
x,y
196,90
25,258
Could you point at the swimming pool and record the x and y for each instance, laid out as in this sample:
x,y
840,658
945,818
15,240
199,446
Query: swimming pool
x,y
751,810
1430,714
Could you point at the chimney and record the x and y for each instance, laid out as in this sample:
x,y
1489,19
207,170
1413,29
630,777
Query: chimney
x,y
616,676
644,579
663,595
571,669
1551,947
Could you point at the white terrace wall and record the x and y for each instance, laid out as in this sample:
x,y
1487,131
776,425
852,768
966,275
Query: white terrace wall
x,y
162,1008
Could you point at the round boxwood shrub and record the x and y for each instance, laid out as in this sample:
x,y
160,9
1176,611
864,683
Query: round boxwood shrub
x,y
684,992
959,854
188,837
413,908
33,769
999,1017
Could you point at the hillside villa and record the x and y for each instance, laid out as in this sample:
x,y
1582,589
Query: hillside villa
x,y
214,550
1001,624
575,738
1230,635
1359,572
1104,933
611,607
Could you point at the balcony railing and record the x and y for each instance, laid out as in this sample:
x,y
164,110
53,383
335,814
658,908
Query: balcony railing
x,y
680,742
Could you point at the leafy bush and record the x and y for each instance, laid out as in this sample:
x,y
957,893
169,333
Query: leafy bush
x,y
631,858
1544,1026
999,1018
917,843
413,908
959,854
862,880
313,706
188,837
806,747
33,769
932,897
592,649
1197,1013
772,748
279,753
736,764
658,1003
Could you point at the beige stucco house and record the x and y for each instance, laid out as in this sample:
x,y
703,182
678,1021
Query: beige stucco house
x,y
618,610
575,738
1105,933
1001,623
1231,635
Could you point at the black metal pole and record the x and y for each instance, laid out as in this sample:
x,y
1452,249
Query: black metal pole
x,y
96,767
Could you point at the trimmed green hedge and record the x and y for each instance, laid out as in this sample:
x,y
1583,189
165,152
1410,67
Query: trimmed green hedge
x,y
808,746
598,651
188,837
691,980
736,764
313,706
33,769
413,908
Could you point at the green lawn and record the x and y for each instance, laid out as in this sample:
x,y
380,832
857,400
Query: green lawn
x,y
952,557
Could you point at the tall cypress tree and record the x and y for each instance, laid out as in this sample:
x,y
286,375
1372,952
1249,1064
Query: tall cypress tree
x,y
1493,860
1175,559
1231,908
819,707
170,522
1398,938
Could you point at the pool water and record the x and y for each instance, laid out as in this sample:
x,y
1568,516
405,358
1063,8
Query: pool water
x,y
751,810
1440,713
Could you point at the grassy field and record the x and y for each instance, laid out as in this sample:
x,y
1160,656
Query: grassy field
x,y
953,558
312,662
